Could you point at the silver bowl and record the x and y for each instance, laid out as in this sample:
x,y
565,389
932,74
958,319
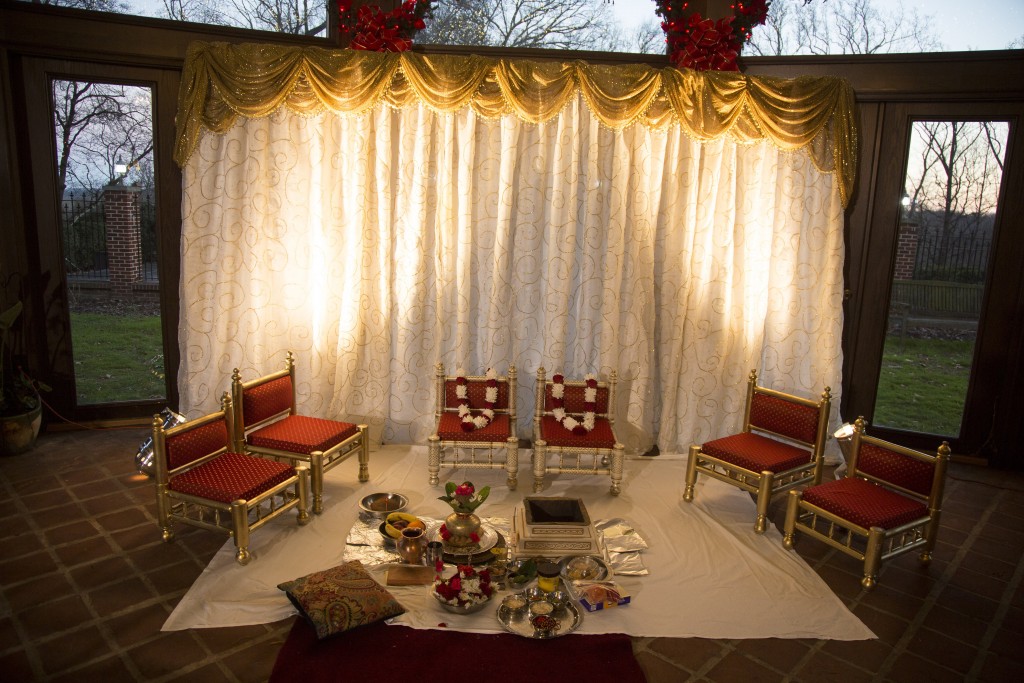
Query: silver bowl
x,y
460,609
382,504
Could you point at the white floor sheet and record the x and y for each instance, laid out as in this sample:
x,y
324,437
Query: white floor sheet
x,y
710,575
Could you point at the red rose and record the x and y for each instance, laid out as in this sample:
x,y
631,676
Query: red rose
x,y
465,489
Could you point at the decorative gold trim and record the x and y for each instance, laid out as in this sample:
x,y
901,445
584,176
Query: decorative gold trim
x,y
221,82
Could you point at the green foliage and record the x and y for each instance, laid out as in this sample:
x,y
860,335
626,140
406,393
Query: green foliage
x,y
117,358
923,385
19,393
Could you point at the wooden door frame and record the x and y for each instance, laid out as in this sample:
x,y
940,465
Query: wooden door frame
x,y
998,328
39,192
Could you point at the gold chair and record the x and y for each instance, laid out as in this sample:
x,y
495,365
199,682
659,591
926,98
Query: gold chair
x,y
888,504
201,482
593,450
781,446
266,423
493,445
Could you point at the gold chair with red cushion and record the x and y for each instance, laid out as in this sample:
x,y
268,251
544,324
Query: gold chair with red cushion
x,y
781,447
266,423
888,504
201,482
571,445
458,442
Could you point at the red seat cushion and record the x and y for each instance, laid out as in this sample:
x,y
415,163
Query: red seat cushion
x,y
757,453
864,503
601,436
449,428
231,476
302,434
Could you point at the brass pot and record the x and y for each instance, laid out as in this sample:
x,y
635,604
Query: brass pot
x,y
461,526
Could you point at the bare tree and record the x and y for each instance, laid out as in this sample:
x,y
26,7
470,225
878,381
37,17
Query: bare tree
x,y
556,24
98,127
98,5
849,27
953,183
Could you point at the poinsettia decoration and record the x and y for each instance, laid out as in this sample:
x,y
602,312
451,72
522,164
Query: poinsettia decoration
x,y
371,28
700,43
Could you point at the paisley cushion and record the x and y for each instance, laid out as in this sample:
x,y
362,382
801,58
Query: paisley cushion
x,y
302,434
757,453
790,419
190,445
896,468
449,428
341,598
266,400
601,436
230,477
864,503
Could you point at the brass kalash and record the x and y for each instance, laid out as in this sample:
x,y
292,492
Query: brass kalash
x,y
553,527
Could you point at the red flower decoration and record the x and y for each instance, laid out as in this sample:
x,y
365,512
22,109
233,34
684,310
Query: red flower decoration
x,y
378,31
702,44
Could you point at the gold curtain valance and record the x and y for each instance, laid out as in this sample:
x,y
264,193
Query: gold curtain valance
x,y
223,81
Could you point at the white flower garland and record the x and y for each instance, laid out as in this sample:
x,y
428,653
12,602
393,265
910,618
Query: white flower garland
x,y
469,421
589,405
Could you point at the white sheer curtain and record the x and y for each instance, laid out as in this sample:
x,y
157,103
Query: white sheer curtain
x,y
378,245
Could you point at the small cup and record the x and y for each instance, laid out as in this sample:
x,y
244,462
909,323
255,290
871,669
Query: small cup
x,y
434,553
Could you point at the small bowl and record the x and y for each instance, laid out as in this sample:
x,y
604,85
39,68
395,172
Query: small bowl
x,y
382,504
460,609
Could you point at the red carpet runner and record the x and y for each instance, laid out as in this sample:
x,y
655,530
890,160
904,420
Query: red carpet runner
x,y
398,653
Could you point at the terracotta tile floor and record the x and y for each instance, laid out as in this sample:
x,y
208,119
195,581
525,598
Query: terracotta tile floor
x,y
87,583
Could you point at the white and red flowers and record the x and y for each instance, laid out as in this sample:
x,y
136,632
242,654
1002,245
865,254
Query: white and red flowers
x,y
467,587
470,421
575,426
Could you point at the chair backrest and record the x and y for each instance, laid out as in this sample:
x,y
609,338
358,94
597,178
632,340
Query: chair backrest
x,y
573,398
262,400
476,392
191,442
798,419
897,467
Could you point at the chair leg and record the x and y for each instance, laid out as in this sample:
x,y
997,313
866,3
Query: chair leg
x,y
163,513
316,467
929,540
792,512
872,557
240,522
512,462
691,473
303,486
433,459
618,455
764,499
364,453
539,464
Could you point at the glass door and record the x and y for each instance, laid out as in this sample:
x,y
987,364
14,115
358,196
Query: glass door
x,y
948,216
104,167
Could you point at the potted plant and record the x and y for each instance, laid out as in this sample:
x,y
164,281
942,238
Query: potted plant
x,y
20,406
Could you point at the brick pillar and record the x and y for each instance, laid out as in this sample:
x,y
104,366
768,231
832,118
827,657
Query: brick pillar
x,y
124,237
906,251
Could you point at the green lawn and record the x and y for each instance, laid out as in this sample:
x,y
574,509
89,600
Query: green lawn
x,y
923,384
117,358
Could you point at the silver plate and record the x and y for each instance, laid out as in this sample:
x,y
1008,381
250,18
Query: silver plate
x,y
567,613
587,568
488,539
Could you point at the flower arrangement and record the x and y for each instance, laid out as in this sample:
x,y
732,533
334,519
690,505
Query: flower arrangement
x,y
589,405
373,29
464,498
699,43
470,421
466,588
